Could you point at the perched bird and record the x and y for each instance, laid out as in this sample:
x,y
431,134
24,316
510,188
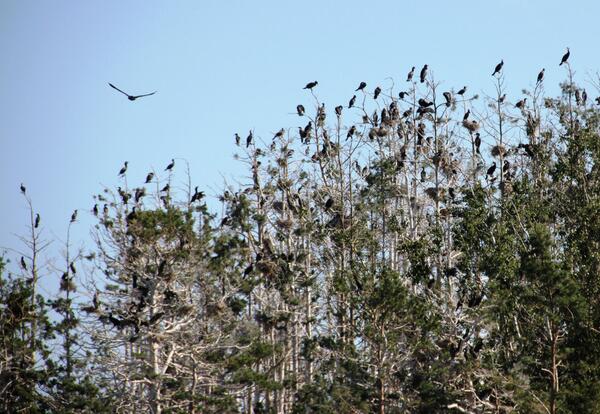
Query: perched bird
x,y
123,169
166,188
249,139
492,169
410,74
376,92
423,175
23,264
300,109
73,268
361,86
279,133
197,196
74,216
37,221
521,103
171,165
131,97
402,94
338,110
351,103
105,209
238,139
95,210
329,203
565,57
23,189
149,177
502,98
498,67
583,97
424,103
311,85
466,116
477,142
448,97
462,91
351,132
423,74
540,77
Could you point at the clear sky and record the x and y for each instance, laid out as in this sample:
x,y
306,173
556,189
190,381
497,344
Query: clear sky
x,y
228,66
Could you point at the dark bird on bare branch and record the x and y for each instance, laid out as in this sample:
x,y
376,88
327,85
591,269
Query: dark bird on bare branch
x,y
502,98
466,116
351,132
540,76
74,216
351,103
492,169
376,92
477,142
300,109
565,57
498,67
279,133
423,175
238,139
423,74
23,264
338,110
37,221
95,210
521,103
131,97
249,139
311,85
123,169
410,74
448,97
329,203
149,177
424,103
72,267
23,189
171,165
166,188
361,86
402,94
462,91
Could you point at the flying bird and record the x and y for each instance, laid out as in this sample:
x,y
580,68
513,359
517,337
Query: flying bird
x,y
124,168
423,73
131,97
410,74
361,86
540,77
311,85
498,67
565,57
171,165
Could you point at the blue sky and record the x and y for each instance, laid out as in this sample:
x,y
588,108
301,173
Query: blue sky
x,y
222,67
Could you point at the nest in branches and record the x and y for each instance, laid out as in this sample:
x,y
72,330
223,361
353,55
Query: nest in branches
x,y
498,151
472,126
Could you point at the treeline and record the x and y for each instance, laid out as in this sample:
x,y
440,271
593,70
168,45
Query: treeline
x,y
424,251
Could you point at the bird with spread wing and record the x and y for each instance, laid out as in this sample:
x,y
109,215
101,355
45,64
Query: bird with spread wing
x,y
130,97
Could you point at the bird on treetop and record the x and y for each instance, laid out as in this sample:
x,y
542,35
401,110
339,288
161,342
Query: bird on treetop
x,y
311,85
361,86
565,57
498,67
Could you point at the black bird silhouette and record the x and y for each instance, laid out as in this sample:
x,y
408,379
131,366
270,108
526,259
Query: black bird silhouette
x,y
410,74
477,142
462,91
540,77
23,189
249,139
423,73
74,216
238,139
351,132
95,210
521,103
338,110
492,169
361,86
149,177
166,188
73,268
171,165
424,103
37,221
466,116
565,57
376,92
351,103
402,94
124,168
23,264
131,97
311,85
300,109
448,97
279,133
498,67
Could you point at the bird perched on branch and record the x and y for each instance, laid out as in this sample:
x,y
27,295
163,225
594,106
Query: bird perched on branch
x,y
361,86
23,189
423,74
492,169
448,97
311,85
149,177
462,91
376,92
565,57
74,216
352,100
171,165
300,109
498,67
540,76
338,110
249,139
123,169
131,97
410,74
521,103
37,221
